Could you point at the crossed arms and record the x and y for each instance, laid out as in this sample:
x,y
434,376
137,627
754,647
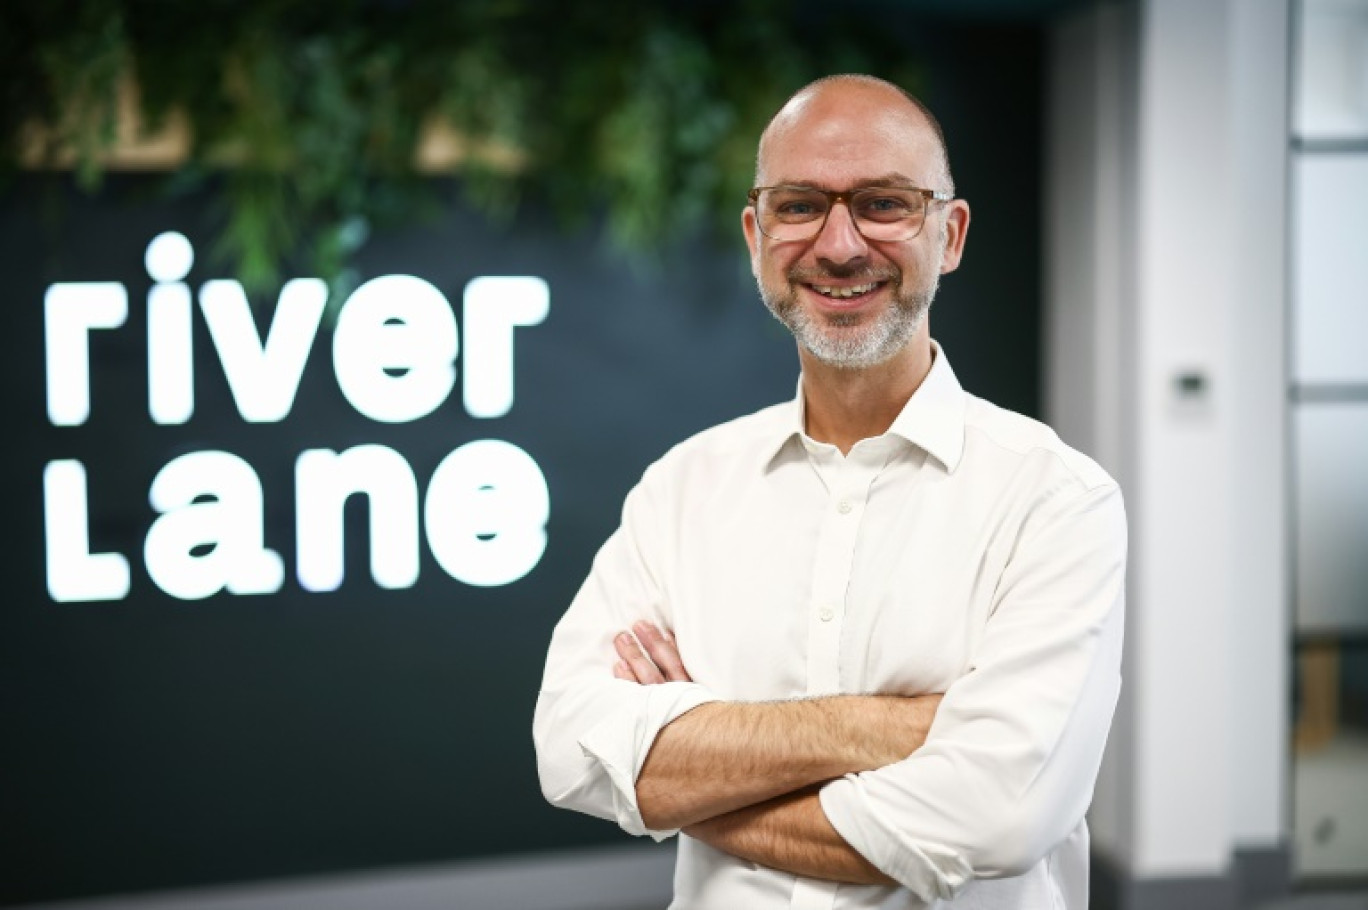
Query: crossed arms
x,y
742,777
858,788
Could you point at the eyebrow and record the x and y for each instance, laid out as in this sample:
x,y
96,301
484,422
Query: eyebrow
x,y
890,179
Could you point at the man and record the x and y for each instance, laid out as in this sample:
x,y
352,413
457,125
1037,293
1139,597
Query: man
x,y
799,584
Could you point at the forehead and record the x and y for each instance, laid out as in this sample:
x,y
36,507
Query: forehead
x,y
843,136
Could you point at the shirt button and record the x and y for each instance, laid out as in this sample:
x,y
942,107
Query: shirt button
x,y
827,614
844,507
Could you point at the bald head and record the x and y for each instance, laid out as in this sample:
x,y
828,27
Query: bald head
x,y
846,105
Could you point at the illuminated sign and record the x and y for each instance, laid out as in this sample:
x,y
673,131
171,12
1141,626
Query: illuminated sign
x,y
394,352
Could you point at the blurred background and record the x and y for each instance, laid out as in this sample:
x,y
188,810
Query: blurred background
x,y
229,683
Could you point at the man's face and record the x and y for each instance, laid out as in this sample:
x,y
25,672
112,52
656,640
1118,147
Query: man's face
x,y
851,302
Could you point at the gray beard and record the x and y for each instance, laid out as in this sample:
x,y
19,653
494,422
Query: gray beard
x,y
839,340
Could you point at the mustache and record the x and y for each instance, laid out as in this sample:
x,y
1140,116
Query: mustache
x,y
862,272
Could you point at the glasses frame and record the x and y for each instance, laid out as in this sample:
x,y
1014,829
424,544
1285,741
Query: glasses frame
x,y
835,196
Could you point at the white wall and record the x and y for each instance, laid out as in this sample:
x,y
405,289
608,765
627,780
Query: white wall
x,y
1168,143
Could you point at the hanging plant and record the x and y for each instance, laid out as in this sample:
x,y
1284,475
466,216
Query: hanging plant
x,y
324,120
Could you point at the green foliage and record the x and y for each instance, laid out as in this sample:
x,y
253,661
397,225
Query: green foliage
x,y
646,114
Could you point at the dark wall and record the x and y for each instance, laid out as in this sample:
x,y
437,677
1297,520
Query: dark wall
x,y
985,84
151,742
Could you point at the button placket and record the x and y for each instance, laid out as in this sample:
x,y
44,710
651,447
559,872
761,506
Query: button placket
x,y
847,483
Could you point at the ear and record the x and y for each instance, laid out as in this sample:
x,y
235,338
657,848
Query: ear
x,y
956,230
751,230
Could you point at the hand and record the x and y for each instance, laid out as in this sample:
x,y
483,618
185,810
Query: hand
x,y
658,663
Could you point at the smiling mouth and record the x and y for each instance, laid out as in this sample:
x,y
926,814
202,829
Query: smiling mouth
x,y
845,293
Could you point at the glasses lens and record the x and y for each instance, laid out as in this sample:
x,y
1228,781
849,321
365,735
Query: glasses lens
x,y
888,213
791,213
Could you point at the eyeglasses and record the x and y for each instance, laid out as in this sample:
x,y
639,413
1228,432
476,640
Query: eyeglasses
x,y
882,213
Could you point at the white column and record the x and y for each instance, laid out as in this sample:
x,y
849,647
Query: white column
x,y
1261,633
1164,304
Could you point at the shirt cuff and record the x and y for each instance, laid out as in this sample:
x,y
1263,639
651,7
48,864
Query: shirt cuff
x,y
930,871
620,745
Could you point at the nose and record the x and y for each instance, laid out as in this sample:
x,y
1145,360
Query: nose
x,y
839,241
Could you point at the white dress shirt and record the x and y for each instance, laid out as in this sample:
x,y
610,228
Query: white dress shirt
x,y
965,551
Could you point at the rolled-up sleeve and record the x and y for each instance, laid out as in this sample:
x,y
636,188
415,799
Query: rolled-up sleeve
x,y
592,732
1007,770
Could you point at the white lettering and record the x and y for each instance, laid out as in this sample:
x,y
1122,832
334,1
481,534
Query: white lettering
x,y
394,353
169,257
264,377
170,355
73,572
492,308
486,512
394,349
70,311
170,348
209,535
323,481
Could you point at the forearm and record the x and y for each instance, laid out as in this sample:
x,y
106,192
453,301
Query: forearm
x,y
792,834
721,757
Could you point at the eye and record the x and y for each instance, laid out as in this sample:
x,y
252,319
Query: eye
x,y
792,205
886,206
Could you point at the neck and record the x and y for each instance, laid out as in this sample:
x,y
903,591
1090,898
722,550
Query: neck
x,y
844,406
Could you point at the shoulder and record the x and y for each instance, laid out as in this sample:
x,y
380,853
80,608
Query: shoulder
x,y
712,458
1008,439
1055,494
757,434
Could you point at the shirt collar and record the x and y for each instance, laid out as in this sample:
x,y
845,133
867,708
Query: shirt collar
x,y
932,419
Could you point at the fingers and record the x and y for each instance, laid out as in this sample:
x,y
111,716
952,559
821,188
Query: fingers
x,y
640,666
663,651
652,656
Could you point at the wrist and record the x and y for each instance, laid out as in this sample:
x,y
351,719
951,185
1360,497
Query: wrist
x,y
880,730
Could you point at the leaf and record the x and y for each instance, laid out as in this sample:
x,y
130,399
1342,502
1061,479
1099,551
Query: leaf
x,y
643,117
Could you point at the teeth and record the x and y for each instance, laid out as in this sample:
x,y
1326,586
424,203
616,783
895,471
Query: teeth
x,y
844,292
